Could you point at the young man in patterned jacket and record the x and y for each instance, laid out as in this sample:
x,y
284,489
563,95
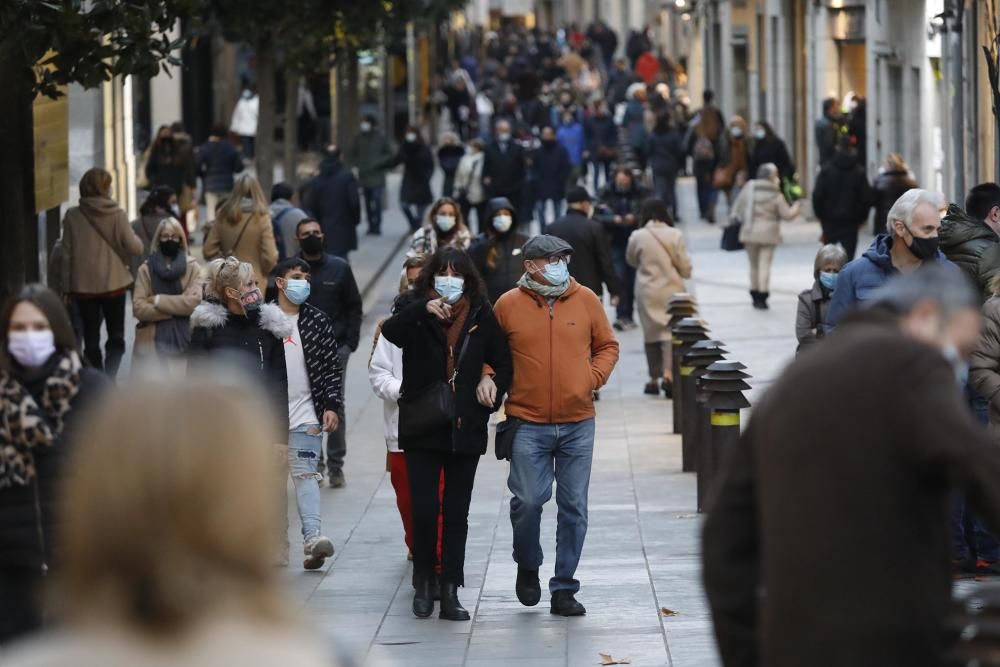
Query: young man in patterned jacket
x,y
315,396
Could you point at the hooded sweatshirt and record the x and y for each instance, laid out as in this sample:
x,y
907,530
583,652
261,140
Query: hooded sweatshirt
x,y
498,256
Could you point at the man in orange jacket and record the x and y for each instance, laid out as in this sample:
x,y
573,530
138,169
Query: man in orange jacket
x,y
564,350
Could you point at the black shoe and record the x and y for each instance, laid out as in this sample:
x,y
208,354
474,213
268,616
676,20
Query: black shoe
x,y
763,300
755,297
423,596
565,604
651,389
987,569
667,387
529,590
451,608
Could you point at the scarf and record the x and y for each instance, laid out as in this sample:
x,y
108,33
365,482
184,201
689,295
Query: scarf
x,y
27,423
547,291
453,327
173,334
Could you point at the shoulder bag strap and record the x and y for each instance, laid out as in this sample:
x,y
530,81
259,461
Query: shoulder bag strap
x,y
461,351
100,233
663,245
239,237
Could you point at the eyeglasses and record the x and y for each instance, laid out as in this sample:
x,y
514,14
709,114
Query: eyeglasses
x,y
554,259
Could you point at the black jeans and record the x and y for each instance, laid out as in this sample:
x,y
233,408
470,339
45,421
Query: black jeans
x,y
20,597
424,469
336,442
109,310
845,235
373,207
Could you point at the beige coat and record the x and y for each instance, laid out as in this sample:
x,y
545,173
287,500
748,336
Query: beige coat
x,y
171,305
661,259
92,265
984,366
256,246
767,209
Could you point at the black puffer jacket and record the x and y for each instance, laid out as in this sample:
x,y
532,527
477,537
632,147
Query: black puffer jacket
x,y
498,256
888,187
971,245
253,343
842,196
425,349
20,541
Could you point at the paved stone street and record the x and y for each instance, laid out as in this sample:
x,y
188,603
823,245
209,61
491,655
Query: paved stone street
x,y
642,549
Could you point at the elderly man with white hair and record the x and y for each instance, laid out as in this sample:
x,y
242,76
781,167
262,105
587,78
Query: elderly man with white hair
x,y
911,239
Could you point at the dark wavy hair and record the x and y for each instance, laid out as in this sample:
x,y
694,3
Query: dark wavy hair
x,y
457,259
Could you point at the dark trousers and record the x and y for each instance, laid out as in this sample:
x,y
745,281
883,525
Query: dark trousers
x,y
20,608
482,224
111,312
626,276
707,194
844,234
970,537
602,166
424,468
336,442
664,185
373,207
414,214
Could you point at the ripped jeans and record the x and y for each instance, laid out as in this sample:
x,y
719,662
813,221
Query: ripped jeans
x,y
305,447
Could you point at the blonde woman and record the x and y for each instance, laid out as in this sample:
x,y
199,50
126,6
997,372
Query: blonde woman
x,y
170,564
443,226
243,229
762,207
167,290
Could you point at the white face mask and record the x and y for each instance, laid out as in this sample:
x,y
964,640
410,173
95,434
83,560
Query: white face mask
x,y
366,127
502,223
759,133
411,137
31,349
445,222
503,136
736,132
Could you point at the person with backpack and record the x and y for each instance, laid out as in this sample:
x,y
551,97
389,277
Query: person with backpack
x,y
285,219
703,142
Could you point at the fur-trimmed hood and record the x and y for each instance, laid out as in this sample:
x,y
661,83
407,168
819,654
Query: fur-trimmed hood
x,y
212,315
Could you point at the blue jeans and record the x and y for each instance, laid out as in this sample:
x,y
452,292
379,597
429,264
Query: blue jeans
x,y
414,214
305,449
543,453
373,207
969,534
626,276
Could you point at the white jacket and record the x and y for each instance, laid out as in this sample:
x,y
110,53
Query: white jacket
x,y
385,372
244,121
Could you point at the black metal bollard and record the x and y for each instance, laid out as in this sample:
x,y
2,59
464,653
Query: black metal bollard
x,y
698,356
724,383
686,333
697,434
682,305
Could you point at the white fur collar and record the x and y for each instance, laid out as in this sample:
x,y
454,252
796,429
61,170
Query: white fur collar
x,y
211,315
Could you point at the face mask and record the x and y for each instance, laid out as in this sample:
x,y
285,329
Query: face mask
x,y
31,349
311,245
410,137
503,136
924,248
759,134
445,223
170,248
828,280
502,223
297,290
366,127
736,132
557,273
450,287
251,299
176,210
247,94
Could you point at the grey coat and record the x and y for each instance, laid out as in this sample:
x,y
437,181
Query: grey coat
x,y
811,314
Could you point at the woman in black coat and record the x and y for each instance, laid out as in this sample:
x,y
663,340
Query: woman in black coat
x,y
418,167
497,251
43,389
767,147
447,332
889,186
666,157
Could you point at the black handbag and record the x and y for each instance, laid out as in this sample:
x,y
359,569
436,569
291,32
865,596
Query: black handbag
x,y
432,408
503,445
731,236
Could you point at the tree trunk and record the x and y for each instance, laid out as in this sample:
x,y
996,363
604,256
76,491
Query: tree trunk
x,y
266,119
291,133
19,249
353,104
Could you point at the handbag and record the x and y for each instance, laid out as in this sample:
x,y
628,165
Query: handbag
x,y
503,445
722,178
731,232
432,408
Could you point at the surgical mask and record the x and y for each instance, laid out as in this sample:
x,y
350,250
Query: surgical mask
x,y
366,127
924,248
170,248
502,223
557,273
311,245
251,299
247,94
450,287
736,132
176,210
445,222
297,290
828,279
411,137
503,136
759,134
31,349
958,365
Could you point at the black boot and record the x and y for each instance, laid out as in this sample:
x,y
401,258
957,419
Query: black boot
x,y
451,608
755,295
527,587
423,595
564,603
763,300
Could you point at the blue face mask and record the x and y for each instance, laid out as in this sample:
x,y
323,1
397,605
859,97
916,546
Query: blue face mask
x,y
450,287
557,273
828,280
297,290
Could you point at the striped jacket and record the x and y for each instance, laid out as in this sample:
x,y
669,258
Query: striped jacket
x,y
323,367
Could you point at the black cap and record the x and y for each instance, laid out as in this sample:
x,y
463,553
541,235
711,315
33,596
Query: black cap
x,y
545,245
578,194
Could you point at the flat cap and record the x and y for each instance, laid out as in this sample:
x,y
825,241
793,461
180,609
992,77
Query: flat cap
x,y
578,194
545,245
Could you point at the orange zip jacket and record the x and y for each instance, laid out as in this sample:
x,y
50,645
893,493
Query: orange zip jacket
x,y
562,352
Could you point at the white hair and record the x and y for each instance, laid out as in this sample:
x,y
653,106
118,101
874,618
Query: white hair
x,y
907,203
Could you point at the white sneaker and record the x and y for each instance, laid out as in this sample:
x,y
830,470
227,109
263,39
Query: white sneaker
x,y
317,550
